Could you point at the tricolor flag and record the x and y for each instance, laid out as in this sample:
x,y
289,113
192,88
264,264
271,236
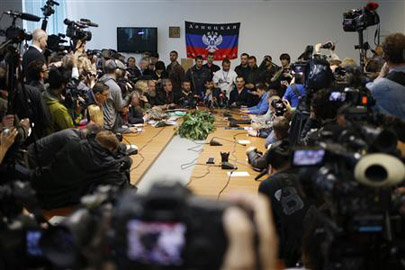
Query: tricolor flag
x,y
220,39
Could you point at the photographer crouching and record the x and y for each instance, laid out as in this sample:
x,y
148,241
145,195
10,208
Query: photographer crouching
x,y
78,168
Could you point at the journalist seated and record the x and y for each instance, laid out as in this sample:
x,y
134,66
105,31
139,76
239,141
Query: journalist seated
x,y
280,131
262,106
77,169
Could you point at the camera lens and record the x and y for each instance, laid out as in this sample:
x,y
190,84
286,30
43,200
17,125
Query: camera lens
x,y
376,173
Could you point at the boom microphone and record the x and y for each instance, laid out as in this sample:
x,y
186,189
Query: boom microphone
x,y
88,23
23,16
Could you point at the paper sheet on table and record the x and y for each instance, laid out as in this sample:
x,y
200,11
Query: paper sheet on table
x,y
238,174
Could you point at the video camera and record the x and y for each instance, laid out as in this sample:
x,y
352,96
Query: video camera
x,y
356,20
55,43
19,234
167,228
74,96
75,30
352,179
279,106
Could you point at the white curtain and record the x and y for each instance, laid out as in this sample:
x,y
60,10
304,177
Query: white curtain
x,y
55,21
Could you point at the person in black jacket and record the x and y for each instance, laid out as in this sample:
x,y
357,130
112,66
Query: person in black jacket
x,y
37,73
78,168
240,95
288,202
165,96
210,64
198,76
35,51
243,68
44,152
253,75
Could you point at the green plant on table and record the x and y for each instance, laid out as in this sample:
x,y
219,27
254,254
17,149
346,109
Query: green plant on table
x,y
196,125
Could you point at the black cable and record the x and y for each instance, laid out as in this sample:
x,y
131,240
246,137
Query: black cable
x,y
231,172
139,164
139,150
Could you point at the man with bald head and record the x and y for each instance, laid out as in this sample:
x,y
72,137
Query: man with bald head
x,y
36,50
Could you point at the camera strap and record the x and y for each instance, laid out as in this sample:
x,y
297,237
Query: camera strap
x,y
397,77
296,92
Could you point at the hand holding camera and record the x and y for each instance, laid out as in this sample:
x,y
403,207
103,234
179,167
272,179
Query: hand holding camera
x,y
239,229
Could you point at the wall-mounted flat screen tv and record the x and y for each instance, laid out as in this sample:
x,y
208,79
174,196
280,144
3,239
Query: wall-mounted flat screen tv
x,y
137,39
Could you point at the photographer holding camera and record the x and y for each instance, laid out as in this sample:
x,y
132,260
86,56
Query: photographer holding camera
x,y
60,118
323,112
388,89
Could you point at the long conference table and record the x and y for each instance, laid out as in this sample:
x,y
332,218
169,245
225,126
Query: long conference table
x,y
206,180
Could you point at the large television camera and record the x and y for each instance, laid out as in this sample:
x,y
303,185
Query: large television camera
x,y
352,178
356,20
76,30
167,228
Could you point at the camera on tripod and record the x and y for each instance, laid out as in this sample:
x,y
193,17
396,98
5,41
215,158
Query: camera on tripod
x,y
76,30
351,179
356,20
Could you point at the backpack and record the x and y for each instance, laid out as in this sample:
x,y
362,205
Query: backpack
x,y
298,122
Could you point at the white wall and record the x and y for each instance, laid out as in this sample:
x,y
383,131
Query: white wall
x,y
267,27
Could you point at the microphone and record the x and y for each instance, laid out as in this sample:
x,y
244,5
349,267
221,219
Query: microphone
x,y
88,23
23,16
52,2
372,6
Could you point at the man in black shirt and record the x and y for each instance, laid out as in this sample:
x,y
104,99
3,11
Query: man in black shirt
x,y
243,68
253,75
288,203
187,98
240,95
165,96
175,72
198,76
210,64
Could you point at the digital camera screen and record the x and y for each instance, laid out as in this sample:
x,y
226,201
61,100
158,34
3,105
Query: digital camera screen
x,y
32,243
156,243
308,157
337,96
